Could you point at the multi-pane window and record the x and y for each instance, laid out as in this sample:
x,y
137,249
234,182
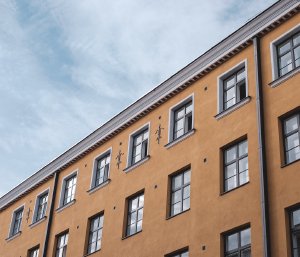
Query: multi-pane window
x,y
182,120
41,207
61,245
69,189
135,214
102,170
288,54
95,234
234,88
139,146
295,232
236,165
180,192
238,244
34,252
16,223
184,253
291,128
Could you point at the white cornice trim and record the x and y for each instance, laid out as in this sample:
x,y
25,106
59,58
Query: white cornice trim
x,y
206,62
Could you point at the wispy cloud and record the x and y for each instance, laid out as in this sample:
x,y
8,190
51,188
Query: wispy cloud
x,y
67,67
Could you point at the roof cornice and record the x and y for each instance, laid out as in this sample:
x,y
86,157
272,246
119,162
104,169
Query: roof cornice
x,y
228,47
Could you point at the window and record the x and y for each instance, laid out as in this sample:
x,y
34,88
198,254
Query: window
x,y
138,146
61,245
236,165
16,221
234,88
69,187
41,207
34,252
180,253
95,234
180,192
238,244
183,120
101,169
291,131
288,54
135,214
295,232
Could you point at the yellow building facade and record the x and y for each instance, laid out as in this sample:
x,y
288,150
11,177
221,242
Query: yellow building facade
x,y
206,164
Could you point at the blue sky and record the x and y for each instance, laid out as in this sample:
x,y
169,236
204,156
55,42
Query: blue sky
x,y
66,67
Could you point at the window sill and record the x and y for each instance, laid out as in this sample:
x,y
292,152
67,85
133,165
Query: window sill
x,y
125,237
89,254
96,188
290,163
13,237
181,138
137,164
170,217
285,77
226,192
37,222
65,206
233,108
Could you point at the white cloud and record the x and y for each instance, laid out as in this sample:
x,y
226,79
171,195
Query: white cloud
x,y
67,67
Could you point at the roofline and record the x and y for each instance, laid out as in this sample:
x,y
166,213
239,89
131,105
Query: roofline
x,y
235,42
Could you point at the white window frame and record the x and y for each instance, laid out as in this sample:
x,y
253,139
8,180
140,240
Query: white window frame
x,y
172,110
130,144
273,50
37,199
12,221
94,169
220,84
63,187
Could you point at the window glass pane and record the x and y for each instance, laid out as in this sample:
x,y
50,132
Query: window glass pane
x,y
240,75
179,133
189,108
134,204
296,39
286,69
292,141
131,229
230,183
176,208
244,177
230,154
245,237
243,164
241,91
296,243
243,148
177,181
282,49
180,113
186,204
179,124
230,170
246,253
297,52
291,124
189,123
138,139
293,154
186,254
229,103
176,196
132,218
297,63
139,226
232,242
285,60
187,177
186,192
229,94
140,214
141,200
296,217
229,82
